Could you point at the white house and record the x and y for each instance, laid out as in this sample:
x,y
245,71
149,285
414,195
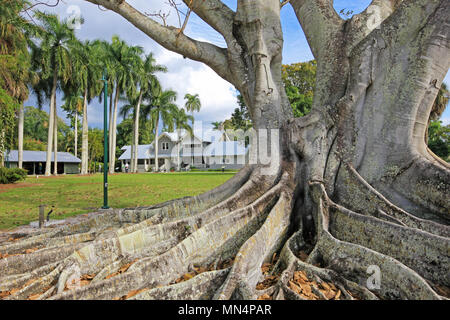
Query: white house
x,y
213,150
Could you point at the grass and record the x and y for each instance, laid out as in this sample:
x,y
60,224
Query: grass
x,y
72,195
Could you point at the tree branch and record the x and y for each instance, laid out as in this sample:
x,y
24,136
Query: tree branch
x,y
216,14
319,21
170,37
368,20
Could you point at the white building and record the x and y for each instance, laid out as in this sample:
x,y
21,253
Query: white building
x,y
213,150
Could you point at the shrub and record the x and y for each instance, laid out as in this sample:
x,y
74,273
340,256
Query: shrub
x,y
11,175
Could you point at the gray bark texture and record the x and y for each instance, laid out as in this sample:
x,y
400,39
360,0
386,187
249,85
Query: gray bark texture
x,y
355,188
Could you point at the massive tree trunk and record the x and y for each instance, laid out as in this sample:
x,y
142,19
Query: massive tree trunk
x,y
51,122
84,137
20,135
348,190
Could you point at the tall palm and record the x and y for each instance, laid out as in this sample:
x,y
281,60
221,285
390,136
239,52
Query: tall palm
x,y
162,107
73,104
193,103
147,82
51,58
123,60
15,72
181,120
87,73
108,62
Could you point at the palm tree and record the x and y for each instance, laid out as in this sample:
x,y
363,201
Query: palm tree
x,y
162,107
147,83
181,120
192,103
74,106
15,72
85,56
124,60
217,125
51,57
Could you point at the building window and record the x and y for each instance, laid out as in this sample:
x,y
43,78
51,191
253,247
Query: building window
x,y
165,146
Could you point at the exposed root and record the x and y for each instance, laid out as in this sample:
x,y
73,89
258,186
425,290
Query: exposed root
x,y
235,245
197,248
201,287
353,260
246,269
361,197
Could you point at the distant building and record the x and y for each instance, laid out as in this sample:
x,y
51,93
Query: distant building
x,y
34,161
214,151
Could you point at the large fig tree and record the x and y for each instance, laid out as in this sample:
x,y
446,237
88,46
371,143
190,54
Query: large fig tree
x,y
351,188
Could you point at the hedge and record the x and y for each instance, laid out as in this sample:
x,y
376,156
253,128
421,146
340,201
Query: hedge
x,y
11,175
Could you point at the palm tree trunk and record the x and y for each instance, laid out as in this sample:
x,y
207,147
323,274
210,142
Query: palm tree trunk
x,y
114,135
84,138
55,141
76,134
156,144
20,135
51,121
136,133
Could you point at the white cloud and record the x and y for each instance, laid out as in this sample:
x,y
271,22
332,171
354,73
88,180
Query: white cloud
x,y
217,96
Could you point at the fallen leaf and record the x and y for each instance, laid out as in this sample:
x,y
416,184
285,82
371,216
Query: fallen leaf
x,y
265,296
338,294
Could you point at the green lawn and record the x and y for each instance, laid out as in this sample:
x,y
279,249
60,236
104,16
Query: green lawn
x,y
73,195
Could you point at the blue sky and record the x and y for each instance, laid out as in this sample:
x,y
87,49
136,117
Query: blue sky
x,y
186,76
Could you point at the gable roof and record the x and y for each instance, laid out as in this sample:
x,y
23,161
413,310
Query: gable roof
x,y
41,156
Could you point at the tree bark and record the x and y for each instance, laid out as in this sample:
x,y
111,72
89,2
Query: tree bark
x,y
84,142
20,135
347,189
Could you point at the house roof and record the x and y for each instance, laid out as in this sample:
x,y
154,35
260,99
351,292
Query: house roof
x,y
41,156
